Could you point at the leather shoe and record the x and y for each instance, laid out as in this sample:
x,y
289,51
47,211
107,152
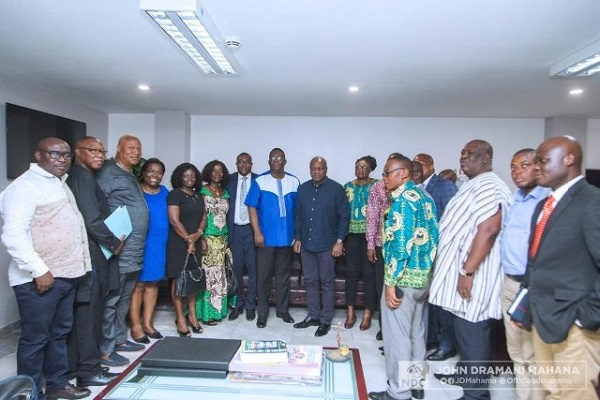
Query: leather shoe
x,y
250,315
144,340
322,330
441,355
306,322
447,379
234,314
418,394
101,379
129,346
68,392
286,317
154,335
114,360
261,322
382,396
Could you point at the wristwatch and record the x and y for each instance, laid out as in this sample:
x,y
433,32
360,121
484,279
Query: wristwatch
x,y
463,272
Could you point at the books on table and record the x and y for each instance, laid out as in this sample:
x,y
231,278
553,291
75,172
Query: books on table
x,y
264,351
302,361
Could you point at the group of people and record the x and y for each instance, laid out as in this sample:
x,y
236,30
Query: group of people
x,y
440,263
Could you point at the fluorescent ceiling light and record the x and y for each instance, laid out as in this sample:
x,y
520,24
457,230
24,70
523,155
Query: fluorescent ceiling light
x,y
187,24
585,62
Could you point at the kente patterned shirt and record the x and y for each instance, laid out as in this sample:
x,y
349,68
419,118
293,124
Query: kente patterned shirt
x,y
357,199
410,238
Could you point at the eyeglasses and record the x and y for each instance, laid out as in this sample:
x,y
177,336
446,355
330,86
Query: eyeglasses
x,y
95,152
277,158
389,171
56,155
362,167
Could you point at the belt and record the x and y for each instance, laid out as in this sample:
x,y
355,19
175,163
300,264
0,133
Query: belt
x,y
516,278
242,224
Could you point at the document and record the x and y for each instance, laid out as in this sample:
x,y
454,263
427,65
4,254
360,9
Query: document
x,y
119,224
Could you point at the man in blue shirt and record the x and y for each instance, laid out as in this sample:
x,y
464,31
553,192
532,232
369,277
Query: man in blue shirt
x,y
513,258
271,205
322,218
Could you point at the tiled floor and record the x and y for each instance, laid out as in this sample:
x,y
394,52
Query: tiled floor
x,y
372,360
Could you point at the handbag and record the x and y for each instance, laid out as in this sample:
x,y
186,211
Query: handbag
x,y
190,280
230,275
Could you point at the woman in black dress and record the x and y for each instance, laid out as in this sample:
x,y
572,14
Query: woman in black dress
x,y
187,220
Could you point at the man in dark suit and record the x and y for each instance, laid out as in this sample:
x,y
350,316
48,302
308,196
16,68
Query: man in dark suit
x,y
564,273
440,330
241,239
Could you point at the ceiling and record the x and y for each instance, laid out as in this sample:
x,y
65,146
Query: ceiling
x,y
426,58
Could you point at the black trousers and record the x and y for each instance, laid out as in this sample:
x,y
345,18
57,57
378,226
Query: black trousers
x,y
83,341
357,265
273,262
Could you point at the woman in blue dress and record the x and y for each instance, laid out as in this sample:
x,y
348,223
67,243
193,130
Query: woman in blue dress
x,y
145,294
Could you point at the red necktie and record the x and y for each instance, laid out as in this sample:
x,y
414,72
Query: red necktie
x,y
539,228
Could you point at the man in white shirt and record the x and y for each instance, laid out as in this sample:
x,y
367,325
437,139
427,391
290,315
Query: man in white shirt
x,y
45,235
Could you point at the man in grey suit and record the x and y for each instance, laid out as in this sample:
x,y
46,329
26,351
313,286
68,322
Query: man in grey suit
x,y
241,239
564,274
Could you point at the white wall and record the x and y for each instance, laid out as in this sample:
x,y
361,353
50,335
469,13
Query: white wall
x,y
591,157
342,140
139,125
22,95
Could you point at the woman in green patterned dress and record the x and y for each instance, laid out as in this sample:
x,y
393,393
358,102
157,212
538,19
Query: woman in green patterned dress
x,y
211,304
357,263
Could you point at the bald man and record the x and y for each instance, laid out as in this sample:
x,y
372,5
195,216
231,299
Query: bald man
x,y
564,274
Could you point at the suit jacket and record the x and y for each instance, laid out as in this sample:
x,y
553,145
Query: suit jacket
x,y
442,190
232,189
564,276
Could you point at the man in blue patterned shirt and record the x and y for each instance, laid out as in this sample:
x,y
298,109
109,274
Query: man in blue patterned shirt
x,y
409,248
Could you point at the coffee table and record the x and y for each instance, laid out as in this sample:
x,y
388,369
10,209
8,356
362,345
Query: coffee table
x,y
341,381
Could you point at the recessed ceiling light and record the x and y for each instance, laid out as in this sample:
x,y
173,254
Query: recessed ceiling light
x,y
353,89
144,87
575,92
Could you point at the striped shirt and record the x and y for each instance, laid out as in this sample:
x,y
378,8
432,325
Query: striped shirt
x,y
476,201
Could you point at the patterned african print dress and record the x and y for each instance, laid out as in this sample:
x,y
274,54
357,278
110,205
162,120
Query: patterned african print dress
x,y
212,303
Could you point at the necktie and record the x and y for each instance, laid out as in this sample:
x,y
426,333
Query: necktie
x,y
244,191
539,228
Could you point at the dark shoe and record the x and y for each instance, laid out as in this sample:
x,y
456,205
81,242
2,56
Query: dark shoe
x,y
129,346
418,394
234,314
261,322
68,392
349,322
441,355
250,315
365,324
114,360
195,329
322,330
380,348
71,375
379,336
306,322
154,335
286,317
102,379
144,340
447,379
431,346
382,396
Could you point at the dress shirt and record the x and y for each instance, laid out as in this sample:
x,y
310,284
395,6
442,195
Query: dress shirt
x,y
378,202
239,202
322,215
516,229
30,237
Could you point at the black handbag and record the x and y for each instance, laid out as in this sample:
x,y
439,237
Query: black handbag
x,y
231,276
191,279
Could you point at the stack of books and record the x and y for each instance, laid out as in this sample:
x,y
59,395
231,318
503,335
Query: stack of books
x,y
273,361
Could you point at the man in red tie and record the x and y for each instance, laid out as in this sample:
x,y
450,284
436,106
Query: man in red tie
x,y
564,274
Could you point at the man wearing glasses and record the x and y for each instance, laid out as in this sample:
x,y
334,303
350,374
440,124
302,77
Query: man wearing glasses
x,y
45,235
83,341
240,236
271,205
